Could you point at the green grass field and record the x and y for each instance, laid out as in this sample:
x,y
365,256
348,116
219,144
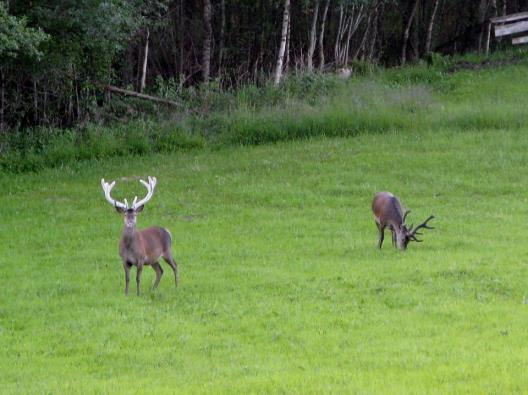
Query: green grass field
x,y
282,287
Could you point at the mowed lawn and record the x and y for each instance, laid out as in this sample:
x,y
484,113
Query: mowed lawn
x,y
282,287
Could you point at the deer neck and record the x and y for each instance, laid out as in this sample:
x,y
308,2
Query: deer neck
x,y
400,236
395,225
129,235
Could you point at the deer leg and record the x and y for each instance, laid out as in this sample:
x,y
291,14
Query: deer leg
x,y
159,272
381,232
138,277
126,266
172,263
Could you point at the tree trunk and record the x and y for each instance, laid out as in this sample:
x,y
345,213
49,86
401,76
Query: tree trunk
x,y
77,95
339,34
349,20
259,61
2,100
287,63
365,34
208,33
35,101
407,31
344,56
321,37
374,33
180,29
222,35
414,40
482,11
282,47
311,46
145,61
355,20
493,4
430,28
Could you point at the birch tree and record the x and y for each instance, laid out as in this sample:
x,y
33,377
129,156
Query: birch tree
x,y
311,45
321,37
145,62
282,47
350,17
374,35
406,32
365,35
428,40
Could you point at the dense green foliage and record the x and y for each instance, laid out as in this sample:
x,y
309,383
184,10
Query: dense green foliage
x,y
17,39
282,287
461,94
86,46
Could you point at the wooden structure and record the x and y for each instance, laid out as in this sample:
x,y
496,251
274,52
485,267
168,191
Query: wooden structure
x,y
509,25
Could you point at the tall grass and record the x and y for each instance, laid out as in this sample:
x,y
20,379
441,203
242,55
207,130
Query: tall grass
x,y
424,96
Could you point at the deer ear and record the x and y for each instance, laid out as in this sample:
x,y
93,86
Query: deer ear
x,y
140,208
120,210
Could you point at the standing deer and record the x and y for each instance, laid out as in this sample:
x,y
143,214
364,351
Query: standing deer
x,y
388,213
141,247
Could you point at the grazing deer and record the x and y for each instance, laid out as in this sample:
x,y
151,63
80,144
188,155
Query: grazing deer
x,y
388,213
141,247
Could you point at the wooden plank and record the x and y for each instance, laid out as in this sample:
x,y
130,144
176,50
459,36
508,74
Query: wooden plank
x,y
512,28
510,18
520,40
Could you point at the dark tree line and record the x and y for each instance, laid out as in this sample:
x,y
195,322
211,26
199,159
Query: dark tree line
x,y
57,56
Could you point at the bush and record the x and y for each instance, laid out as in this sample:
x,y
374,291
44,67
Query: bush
x,y
54,147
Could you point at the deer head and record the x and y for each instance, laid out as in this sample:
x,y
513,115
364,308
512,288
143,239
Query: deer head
x,y
405,234
136,207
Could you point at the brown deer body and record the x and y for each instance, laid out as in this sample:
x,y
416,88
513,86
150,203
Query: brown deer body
x,y
388,212
142,247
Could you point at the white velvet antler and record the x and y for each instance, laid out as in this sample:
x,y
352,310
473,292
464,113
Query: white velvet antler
x,y
150,190
107,189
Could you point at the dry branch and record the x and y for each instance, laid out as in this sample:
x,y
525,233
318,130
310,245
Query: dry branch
x,y
155,99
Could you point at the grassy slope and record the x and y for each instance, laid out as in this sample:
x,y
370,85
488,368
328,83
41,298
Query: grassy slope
x,y
282,287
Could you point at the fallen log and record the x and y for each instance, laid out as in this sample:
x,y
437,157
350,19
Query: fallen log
x,y
155,99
